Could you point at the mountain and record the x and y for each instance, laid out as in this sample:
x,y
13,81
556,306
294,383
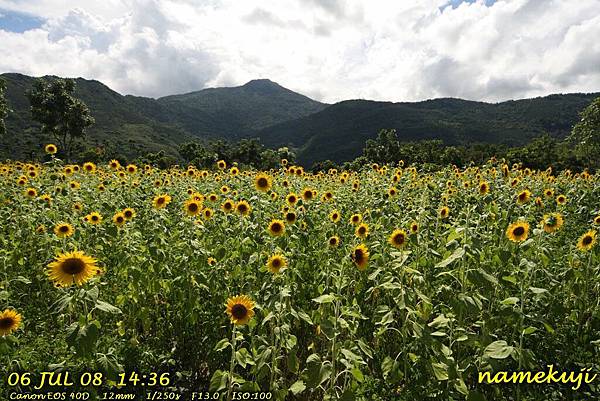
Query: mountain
x,y
132,126
258,104
340,131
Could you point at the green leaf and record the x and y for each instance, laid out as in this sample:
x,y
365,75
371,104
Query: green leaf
x,y
457,254
106,307
298,387
324,299
110,366
529,330
440,370
218,381
439,321
498,350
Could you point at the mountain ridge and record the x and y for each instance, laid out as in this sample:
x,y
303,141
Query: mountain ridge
x,y
280,117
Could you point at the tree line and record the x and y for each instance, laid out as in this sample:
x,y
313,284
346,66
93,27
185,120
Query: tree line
x,y
65,118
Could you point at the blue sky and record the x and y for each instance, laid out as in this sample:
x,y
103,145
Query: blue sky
x,y
13,21
330,50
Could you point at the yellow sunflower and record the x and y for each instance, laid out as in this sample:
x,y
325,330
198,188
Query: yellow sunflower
x,y
114,164
308,194
228,206
192,207
129,213
291,198
523,197
335,216
243,208
263,182
240,309
414,227
131,168
63,230
50,149
221,164
89,167
398,238
276,228
518,232
119,219
561,199
444,212
31,192
360,256
484,187
207,213
72,267
587,241
93,218
276,263
552,222
548,193
161,201
597,220
333,241
362,231
356,218
290,217
211,261
10,321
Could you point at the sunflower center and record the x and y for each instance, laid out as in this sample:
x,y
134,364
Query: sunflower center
x,y
239,311
128,214
519,231
193,207
6,323
120,219
94,218
358,255
276,227
332,241
262,182
587,240
73,266
160,201
242,208
399,239
362,230
63,229
276,263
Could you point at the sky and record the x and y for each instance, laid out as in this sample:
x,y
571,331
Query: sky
x,y
330,50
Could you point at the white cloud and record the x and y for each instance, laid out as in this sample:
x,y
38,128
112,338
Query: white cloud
x,y
328,49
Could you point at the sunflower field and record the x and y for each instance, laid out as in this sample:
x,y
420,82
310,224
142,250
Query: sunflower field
x,y
391,283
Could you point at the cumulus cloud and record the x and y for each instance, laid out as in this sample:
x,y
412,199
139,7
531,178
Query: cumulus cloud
x,y
328,49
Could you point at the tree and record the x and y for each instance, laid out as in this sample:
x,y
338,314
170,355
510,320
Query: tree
x,y
3,107
586,134
62,116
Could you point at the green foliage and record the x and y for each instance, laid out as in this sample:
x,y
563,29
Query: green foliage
x,y
61,115
3,107
586,133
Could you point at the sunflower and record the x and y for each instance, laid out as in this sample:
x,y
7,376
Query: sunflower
x,y
291,199
10,321
335,216
548,193
72,267
93,218
561,199
362,231
308,194
119,219
89,167
207,213
240,309
360,256
517,232
414,227
192,207
484,187
444,212
227,206
243,208
129,213
333,241
114,164
276,228
50,149
523,197
132,168
211,261
213,197
263,182
597,220
290,217
224,189
398,238
234,171
221,164
392,192
552,222
31,192
161,201
276,263
539,202
587,241
74,185
356,218
63,230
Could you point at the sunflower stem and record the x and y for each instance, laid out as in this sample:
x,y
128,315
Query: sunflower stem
x,y
232,361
